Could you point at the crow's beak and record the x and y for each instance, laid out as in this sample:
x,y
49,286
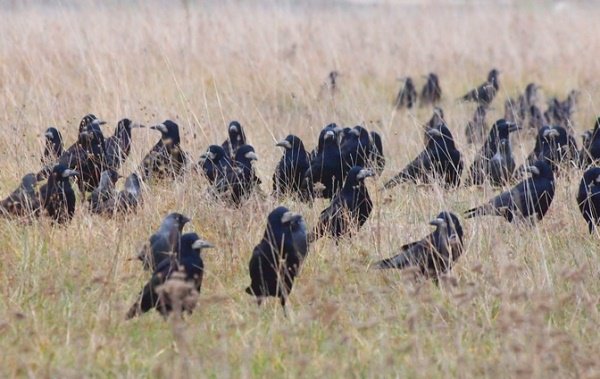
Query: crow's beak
x,y
160,127
365,173
532,169
290,216
69,172
285,144
251,155
437,222
201,244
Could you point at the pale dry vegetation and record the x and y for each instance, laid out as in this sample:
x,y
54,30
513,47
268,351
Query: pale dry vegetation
x,y
521,302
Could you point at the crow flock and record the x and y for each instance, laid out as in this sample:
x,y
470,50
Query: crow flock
x,y
336,169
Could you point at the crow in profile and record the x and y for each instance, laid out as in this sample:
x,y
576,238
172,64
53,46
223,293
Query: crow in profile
x,y
164,242
57,196
477,129
530,198
495,160
102,199
166,159
590,151
376,156
240,180
439,161
485,93
236,138
118,146
407,96
214,163
289,173
588,197
435,254
53,145
431,94
185,269
326,164
276,260
23,201
349,209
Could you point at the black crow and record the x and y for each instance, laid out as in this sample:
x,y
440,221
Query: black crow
x,y
477,128
289,173
57,196
495,160
376,157
164,242
23,201
185,270
554,145
590,151
531,197
102,198
431,94
166,159
355,148
53,145
485,93
435,254
88,119
240,180
276,260
326,165
407,96
588,197
236,138
325,136
118,146
130,197
349,209
214,163
439,161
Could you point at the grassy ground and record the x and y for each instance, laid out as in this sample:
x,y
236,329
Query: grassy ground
x,y
523,302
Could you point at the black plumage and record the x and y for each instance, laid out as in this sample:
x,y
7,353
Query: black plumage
x,y
326,165
355,148
130,197
440,161
276,260
163,243
237,138
477,128
240,180
214,163
184,271
118,146
288,178
376,155
528,199
485,93
88,119
588,197
431,94
166,159
590,152
23,201
102,199
53,146
407,96
435,254
553,145
57,196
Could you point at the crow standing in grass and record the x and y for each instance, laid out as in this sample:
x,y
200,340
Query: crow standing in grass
x,y
349,209
118,146
23,201
166,159
435,254
477,128
485,93
326,165
57,196
495,160
240,180
102,199
53,147
588,197
164,242
355,148
407,96
431,94
528,199
552,145
186,268
439,161
276,260
289,173
376,156
236,138
214,163
130,198
590,152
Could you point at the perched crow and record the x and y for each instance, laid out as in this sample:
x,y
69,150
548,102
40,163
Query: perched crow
x,y
103,197
588,197
590,151
214,163
477,129
349,209
433,255
355,148
289,173
376,157
439,161
236,138
118,146
240,180
326,164
431,94
23,201
277,258
407,96
164,242
495,160
531,197
166,159
185,271
57,196
485,93
53,145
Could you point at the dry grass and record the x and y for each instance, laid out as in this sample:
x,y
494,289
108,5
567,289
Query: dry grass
x,y
525,302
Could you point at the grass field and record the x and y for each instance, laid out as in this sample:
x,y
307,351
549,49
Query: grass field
x,y
522,302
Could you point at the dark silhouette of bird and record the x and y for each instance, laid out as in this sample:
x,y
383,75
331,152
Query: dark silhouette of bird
x,y
435,254
240,180
440,161
431,94
289,174
554,146
102,199
436,121
23,201
477,129
485,93
185,270
495,160
355,148
325,134
326,165
166,159
528,199
590,152
348,210
236,138
560,113
407,96
536,118
588,197
276,260
53,147
214,163
130,197
163,243
376,156
87,120
57,196
118,146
